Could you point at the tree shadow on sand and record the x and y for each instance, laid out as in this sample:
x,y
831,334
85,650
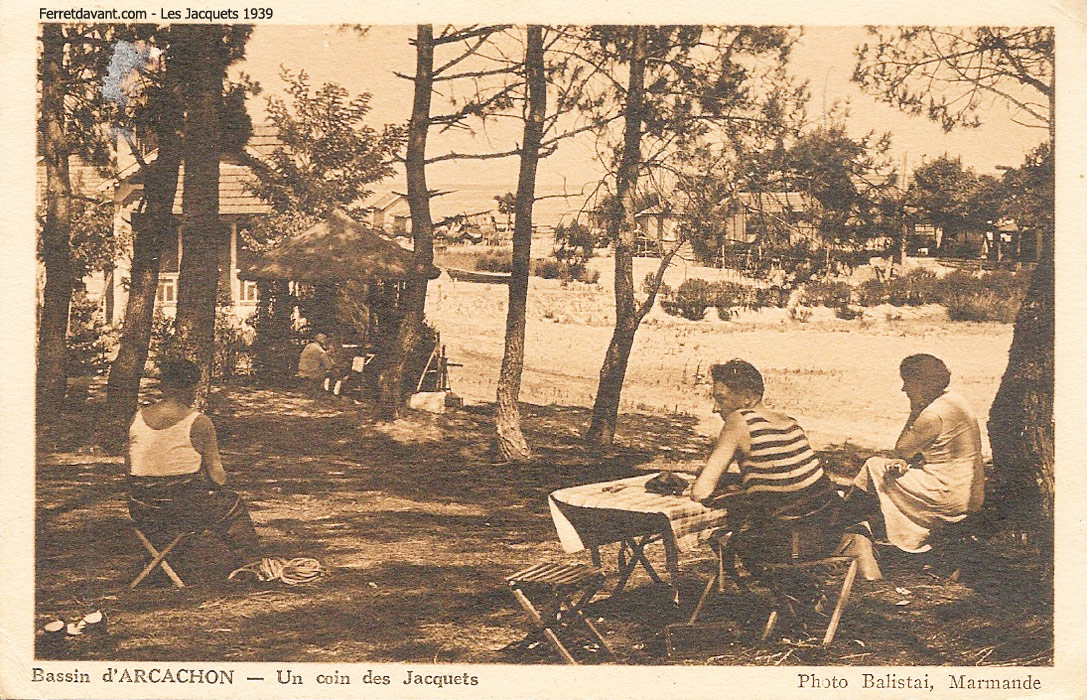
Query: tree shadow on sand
x,y
418,527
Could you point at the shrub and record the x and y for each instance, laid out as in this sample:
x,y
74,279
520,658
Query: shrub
x,y
981,306
233,342
88,341
590,276
691,299
800,314
848,313
547,268
494,261
916,287
871,293
574,245
776,297
551,269
694,296
829,293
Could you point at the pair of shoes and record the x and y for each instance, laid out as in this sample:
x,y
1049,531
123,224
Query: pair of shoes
x,y
90,625
52,636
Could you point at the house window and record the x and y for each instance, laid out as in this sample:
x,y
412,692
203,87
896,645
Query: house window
x,y
248,292
167,291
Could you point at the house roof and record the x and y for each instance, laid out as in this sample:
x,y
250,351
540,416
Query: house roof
x,y
234,196
387,201
775,201
656,209
337,249
85,178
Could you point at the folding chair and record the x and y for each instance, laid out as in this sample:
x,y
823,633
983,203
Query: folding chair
x,y
561,591
158,558
775,575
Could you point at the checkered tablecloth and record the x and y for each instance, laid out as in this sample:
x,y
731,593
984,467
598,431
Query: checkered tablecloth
x,y
580,513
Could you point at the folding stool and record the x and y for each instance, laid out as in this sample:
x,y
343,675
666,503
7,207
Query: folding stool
x,y
560,591
158,558
771,576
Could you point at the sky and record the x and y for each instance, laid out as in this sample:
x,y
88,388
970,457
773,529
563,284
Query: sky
x,y
823,56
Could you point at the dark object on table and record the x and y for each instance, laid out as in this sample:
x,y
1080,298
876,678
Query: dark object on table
x,y
667,484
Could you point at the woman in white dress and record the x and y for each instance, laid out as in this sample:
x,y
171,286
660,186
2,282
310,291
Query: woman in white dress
x,y
936,476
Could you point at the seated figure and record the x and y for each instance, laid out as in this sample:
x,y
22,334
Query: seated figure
x,y
782,480
315,366
176,480
936,476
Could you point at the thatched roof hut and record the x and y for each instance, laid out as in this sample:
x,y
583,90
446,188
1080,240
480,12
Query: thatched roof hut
x,y
338,249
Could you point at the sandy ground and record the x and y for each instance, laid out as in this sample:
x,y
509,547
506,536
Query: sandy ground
x,y
838,378
418,526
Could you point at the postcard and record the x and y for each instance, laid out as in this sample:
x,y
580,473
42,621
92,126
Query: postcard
x,y
500,351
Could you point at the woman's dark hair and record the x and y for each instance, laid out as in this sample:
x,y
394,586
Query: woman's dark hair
x,y
738,375
928,368
177,374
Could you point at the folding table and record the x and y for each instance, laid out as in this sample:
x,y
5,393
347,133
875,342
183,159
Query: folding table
x,y
623,511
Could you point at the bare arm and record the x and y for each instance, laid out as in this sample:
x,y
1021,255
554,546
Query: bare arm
x,y
734,438
204,441
918,435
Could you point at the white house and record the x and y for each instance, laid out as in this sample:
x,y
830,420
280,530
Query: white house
x,y
237,207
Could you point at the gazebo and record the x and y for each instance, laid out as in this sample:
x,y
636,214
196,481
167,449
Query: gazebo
x,y
340,275
336,250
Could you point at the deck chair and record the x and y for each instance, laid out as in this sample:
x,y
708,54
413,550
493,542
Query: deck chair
x,y
553,595
158,558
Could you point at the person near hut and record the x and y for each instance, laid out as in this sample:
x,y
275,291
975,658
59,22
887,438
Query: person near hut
x,y
176,480
315,365
782,485
936,476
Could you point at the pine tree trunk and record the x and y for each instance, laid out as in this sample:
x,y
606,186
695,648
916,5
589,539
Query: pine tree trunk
x,y
201,230
150,229
1021,418
56,230
391,386
511,440
613,371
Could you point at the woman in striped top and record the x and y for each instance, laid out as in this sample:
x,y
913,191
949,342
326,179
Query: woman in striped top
x,y
780,475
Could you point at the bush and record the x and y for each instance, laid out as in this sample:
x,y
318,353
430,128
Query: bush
x,y
775,297
551,269
916,287
828,293
800,314
547,268
575,246
495,261
848,313
233,343
692,298
88,341
981,306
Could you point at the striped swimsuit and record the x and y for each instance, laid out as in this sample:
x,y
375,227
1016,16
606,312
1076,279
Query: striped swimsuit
x,y
780,468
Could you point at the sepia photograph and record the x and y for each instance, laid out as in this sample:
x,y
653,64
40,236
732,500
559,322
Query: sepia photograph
x,y
413,350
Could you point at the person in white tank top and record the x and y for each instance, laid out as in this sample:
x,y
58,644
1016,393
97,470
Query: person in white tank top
x,y
176,479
